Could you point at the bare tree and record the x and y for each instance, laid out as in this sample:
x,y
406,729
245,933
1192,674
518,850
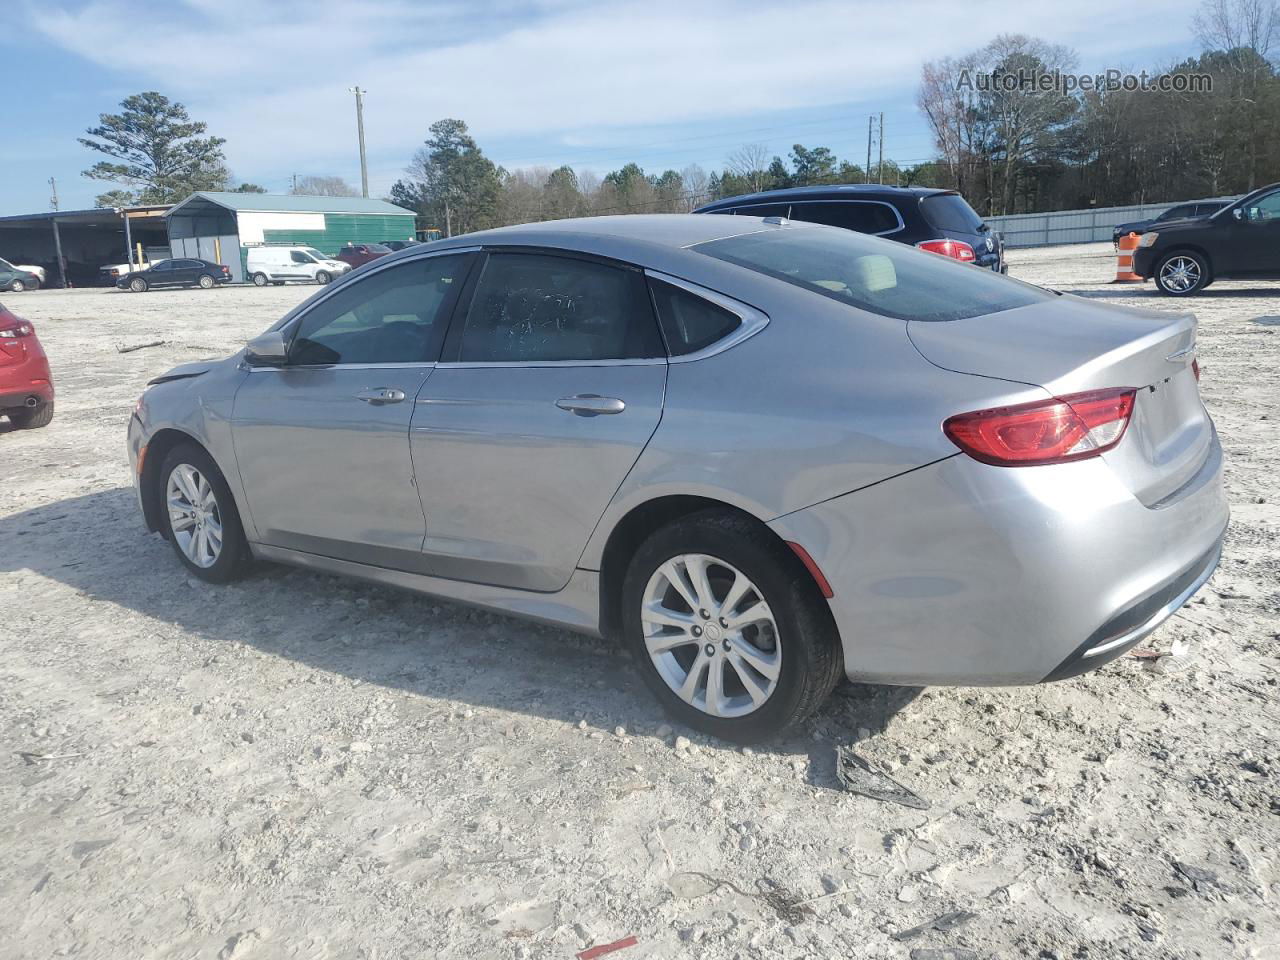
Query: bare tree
x,y
324,187
1236,24
750,162
695,187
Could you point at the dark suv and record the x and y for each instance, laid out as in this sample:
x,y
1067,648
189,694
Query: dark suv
x,y
1241,241
1183,211
935,220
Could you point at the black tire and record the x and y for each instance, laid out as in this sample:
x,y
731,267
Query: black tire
x,y
32,419
234,559
17,286
323,277
260,280
1193,263
206,282
812,662
138,285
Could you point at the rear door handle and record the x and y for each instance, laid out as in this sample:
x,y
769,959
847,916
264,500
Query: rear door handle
x,y
381,395
590,405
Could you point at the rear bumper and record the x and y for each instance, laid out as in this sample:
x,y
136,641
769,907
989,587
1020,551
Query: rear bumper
x,y
29,378
963,573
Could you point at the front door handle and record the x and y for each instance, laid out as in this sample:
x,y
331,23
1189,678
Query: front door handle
x,y
381,395
590,405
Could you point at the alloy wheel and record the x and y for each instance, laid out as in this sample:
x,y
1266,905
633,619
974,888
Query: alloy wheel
x,y
711,635
1180,274
194,515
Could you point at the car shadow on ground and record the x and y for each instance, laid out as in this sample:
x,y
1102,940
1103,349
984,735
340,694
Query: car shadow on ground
x,y
397,639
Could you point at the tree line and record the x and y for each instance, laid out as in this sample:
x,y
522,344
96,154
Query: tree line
x,y
1008,149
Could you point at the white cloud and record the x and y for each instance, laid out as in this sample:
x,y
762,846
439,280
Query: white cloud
x,y
272,77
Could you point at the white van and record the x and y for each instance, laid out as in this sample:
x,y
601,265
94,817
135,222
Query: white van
x,y
280,264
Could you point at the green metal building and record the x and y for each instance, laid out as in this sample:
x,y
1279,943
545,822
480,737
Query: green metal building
x,y
221,226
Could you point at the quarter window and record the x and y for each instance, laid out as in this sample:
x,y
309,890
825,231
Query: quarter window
x,y
690,322
538,307
395,315
850,214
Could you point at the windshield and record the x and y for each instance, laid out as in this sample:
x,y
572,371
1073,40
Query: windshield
x,y
948,211
378,248
6,265
314,254
879,276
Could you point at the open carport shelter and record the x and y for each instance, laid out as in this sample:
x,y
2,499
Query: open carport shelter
x,y
72,245
222,226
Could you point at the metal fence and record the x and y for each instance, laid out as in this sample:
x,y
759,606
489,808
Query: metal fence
x,y
1076,226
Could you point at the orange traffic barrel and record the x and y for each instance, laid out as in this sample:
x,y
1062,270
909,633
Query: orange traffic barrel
x,y
1124,262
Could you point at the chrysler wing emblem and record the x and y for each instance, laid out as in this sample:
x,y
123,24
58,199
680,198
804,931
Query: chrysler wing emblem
x,y
1183,353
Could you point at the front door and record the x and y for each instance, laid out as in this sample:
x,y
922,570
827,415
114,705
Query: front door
x,y
553,385
1255,237
323,442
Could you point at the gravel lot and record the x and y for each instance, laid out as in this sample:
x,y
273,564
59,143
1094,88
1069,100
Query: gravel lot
x,y
301,766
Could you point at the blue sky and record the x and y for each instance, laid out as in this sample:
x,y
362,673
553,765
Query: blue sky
x,y
591,83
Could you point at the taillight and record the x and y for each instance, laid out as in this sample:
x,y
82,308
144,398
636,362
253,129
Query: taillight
x,y
1046,431
15,330
955,249
1195,368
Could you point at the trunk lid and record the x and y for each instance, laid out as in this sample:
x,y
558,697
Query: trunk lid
x,y
1071,344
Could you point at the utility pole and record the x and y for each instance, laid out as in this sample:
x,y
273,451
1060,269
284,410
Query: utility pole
x,y
866,171
364,166
54,199
295,184
880,165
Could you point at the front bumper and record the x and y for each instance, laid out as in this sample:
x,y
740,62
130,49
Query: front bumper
x,y
963,573
1144,262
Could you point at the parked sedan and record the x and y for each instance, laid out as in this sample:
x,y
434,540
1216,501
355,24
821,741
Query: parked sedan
x,y
176,273
16,279
358,254
26,386
1183,211
764,455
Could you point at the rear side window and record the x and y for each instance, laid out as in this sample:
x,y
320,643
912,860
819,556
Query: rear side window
x,y
852,215
689,322
948,211
875,275
759,210
537,308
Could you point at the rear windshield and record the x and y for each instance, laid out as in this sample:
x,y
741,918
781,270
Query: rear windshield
x,y
948,211
879,276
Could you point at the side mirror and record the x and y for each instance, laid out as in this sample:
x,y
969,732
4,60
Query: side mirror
x,y
1238,213
269,349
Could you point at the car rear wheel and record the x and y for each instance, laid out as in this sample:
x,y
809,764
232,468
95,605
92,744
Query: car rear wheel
x,y
323,276
200,516
137,285
260,280
727,628
1182,273
205,281
33,418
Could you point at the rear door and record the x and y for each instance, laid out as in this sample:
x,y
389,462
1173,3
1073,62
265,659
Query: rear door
x,y
550,386
323,442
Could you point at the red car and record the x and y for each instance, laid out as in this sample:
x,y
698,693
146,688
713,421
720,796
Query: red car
x,y
26,387
358,254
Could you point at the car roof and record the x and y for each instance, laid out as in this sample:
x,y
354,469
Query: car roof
x,y
843,191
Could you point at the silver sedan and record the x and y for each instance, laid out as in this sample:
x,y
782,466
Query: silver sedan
x,y
763,454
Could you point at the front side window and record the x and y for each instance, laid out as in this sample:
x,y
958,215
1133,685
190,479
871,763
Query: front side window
x,y
392,316
875,275
1264,208
163,265
851,215
1177,213
297,256
531,307
689,322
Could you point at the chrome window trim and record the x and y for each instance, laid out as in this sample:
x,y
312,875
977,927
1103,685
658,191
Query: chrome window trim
x,y
345,366
753,320
881,233
340,283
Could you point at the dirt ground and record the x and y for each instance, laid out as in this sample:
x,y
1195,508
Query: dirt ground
x,y
302,766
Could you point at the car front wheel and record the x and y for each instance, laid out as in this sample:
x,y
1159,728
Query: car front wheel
x,y
138,285
727,628
17,286
200,516
1182,273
